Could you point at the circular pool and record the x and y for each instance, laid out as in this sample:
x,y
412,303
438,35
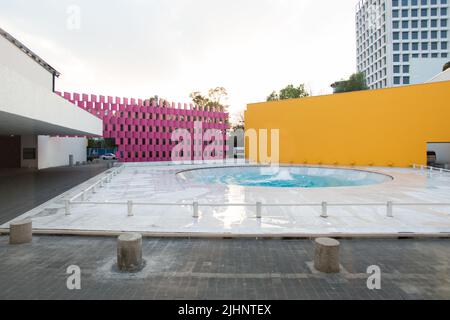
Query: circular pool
x,y
284,177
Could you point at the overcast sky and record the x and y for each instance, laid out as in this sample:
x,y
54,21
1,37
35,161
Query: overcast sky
x,y
139,48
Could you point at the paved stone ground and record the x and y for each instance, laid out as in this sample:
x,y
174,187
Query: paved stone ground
x,y
22,189
223,269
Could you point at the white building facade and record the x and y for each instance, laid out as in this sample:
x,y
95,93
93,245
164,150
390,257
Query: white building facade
x,y
38,128
401,42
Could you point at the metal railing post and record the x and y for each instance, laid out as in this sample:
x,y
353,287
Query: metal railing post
x,y
324,210
195,206
130,208
258,210
390,209
67,207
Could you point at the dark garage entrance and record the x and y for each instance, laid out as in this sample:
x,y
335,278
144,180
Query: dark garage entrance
x,y
10,154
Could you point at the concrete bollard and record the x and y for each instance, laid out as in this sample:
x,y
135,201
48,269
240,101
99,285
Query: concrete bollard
x,y
326,258
129,252
21,232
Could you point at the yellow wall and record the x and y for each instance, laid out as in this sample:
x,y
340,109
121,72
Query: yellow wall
x,y
387,127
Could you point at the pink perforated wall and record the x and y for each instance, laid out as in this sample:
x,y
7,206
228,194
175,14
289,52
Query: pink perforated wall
x,y
142,131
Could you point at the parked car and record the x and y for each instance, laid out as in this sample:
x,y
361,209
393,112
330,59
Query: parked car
x,y
91,158
109,156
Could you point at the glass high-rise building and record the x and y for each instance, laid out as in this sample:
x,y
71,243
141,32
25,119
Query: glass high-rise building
x,y
401,42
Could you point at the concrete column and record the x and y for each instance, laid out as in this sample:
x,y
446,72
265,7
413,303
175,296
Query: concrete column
x,y
129,252
326,258
21,232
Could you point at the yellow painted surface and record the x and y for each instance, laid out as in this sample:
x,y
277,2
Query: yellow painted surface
x,y
386,127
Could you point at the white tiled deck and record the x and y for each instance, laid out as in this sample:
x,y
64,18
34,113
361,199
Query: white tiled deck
x,y
159,184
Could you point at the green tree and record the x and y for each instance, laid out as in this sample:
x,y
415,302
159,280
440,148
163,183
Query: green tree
x,y
446,66
356,82
216,98
290,92
102,143
198,99
240,122
213,101
273,96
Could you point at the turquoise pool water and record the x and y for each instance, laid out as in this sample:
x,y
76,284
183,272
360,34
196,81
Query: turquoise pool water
x,y
285,177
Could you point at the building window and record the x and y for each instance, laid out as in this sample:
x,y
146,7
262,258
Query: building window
x,y
405,80
396,80
444,45
405,69
29,153
396,69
